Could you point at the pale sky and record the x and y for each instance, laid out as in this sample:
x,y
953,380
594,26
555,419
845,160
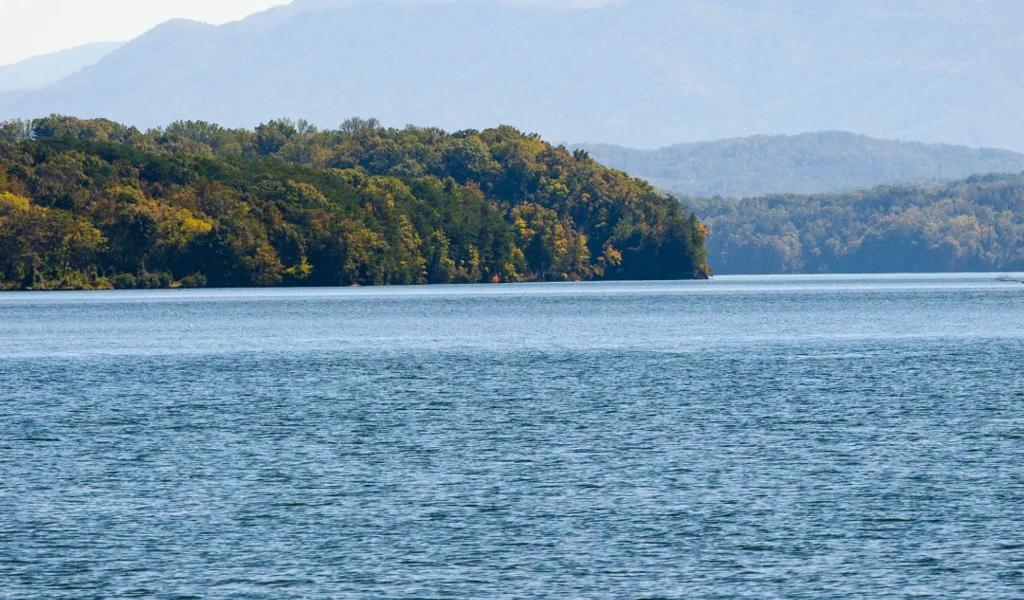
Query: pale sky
x,y
32,27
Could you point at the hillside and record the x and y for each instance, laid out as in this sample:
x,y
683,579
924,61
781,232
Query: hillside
x,y
88,204
641,73
976,224
47,69
808,163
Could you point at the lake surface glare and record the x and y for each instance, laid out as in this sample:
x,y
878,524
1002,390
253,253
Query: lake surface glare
x,y
745,437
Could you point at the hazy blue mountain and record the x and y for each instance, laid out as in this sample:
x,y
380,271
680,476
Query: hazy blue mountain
x,y
45,69
830,161
643,73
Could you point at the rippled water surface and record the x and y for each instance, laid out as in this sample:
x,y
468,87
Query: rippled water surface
x,y
797,437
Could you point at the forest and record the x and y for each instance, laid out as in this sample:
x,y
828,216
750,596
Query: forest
x,y
976,224
90,204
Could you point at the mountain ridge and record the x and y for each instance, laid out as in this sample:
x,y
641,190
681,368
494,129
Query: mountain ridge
x,y
49,68
809,162
640,73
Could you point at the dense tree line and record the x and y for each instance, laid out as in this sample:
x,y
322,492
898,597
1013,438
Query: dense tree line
x,y
972,225
92,204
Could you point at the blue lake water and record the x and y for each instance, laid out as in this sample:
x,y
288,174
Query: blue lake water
x,y
746,437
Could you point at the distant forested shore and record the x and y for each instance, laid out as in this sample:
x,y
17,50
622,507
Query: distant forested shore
x,y
829,202
976,224
88,204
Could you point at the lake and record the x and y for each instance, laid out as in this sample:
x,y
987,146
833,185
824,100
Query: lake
x,y
789,436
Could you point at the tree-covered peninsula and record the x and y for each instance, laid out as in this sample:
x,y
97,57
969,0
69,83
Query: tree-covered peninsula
x,y
95,204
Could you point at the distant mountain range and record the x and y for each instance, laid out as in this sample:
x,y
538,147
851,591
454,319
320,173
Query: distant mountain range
x,y
40,71
642,73
831,161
